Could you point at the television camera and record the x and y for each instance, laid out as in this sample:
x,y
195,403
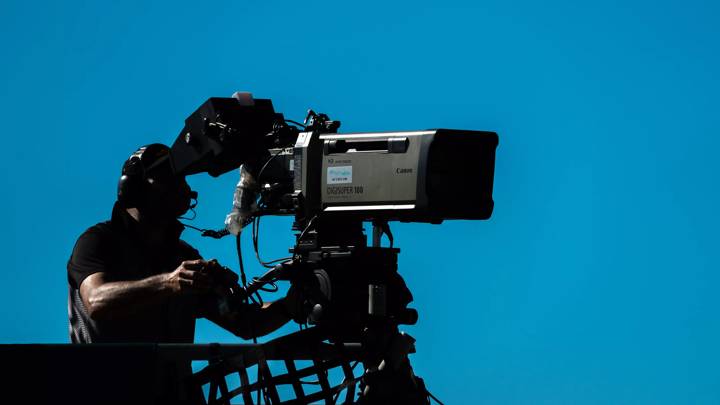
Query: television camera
x,y
332,183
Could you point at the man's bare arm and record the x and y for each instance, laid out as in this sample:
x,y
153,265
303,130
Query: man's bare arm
x,y
105,298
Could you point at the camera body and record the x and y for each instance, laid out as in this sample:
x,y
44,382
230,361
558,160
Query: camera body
x,y
414,176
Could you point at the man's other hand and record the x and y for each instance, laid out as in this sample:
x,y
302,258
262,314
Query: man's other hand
x,y
221,275
189,278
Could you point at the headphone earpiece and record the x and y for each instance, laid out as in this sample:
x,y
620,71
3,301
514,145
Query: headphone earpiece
x,y
131,186
129,190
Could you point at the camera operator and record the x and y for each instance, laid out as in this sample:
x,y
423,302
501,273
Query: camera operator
x,y
132,279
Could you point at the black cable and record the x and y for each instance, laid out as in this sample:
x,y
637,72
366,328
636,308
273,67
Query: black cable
x,y
259,298
238,246
193,216
297,123
256,220
256,237
243,279
192,227
433,397
217,234
254,301
256,243
273,288
259,176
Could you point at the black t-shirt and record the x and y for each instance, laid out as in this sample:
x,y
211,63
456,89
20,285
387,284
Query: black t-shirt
x,y
114,248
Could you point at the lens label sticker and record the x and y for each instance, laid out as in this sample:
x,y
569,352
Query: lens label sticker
x,y
339,174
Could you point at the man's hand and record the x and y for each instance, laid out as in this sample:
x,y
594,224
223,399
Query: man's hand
x,y
189,278
221,275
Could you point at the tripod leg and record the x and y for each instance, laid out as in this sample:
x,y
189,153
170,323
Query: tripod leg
x,y
391,378
387,386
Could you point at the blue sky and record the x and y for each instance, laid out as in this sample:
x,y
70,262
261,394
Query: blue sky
x,y
594,282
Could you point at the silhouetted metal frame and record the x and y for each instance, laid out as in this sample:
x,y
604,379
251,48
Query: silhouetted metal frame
x,y
227,360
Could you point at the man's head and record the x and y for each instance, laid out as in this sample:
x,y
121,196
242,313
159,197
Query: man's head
x,y
149,184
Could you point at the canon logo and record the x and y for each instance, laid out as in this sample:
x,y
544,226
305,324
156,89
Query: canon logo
x,y
402,171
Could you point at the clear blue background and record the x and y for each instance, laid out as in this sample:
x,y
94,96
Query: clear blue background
x,y
595,281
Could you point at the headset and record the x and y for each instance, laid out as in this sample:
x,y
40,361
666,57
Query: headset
x,y
142,173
